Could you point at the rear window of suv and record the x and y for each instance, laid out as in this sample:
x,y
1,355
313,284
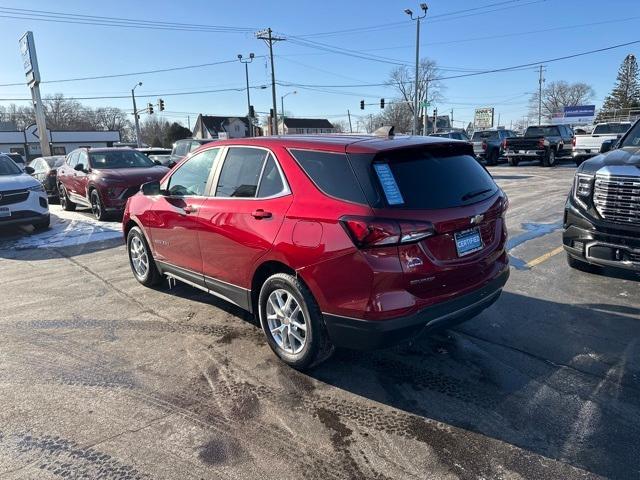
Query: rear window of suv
x,y
426,181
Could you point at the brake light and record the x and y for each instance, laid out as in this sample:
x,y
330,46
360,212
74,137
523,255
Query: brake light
x,y
52,173
484,145
541,143
504,144
367,232
573,141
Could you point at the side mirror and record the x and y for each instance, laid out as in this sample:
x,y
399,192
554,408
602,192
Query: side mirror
x,y
157,162
150,188
29,170
608,145
79,167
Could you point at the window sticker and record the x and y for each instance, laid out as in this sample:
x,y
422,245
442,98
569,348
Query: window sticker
x,y
389,185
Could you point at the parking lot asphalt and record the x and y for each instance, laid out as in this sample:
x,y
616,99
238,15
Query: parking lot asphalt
x,y
101,377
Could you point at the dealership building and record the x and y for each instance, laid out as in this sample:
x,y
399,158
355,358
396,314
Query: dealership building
x,y
27,142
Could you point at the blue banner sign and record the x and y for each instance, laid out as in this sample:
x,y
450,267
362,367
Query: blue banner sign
x,y
580,111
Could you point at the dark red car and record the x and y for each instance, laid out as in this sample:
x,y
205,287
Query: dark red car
x,y
347,241
104,178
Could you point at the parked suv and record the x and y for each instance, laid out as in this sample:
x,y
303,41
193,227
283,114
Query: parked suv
x,y
103,178
348,241
23,200
602,213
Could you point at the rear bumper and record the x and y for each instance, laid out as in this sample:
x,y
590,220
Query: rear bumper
x,y
370,334
525,153
584,241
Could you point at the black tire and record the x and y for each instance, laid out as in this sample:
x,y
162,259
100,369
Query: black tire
x,y
42,225
549,160
152,277
317,347
492,158
97,208
65,203
581,265
513,161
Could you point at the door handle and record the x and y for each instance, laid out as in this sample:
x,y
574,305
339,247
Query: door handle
x,y
190,209
260,214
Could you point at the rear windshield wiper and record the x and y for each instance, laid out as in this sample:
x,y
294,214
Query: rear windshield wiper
x,y
470,195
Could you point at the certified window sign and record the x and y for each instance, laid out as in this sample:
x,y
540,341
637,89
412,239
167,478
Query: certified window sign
x,y
389,184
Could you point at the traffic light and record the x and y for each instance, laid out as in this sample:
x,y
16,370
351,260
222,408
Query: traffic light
x,y
252,111
361,104
160,104
382,103
271,113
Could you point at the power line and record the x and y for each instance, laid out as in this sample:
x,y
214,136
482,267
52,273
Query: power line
x,y
117,75
63,17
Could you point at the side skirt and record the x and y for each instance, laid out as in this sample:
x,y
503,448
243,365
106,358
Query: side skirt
x,y
239,296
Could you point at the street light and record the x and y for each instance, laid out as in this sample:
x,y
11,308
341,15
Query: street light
x,y
135,113
282,106
417,18
246,74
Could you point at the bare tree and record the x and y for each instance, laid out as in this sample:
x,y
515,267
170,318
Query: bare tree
x,y
341,126
429,87
398,113
560,94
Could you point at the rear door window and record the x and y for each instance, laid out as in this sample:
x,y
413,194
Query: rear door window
x,y
427,181
331,173
181,148
241,172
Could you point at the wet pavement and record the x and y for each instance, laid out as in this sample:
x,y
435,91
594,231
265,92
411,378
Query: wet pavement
x,y
103,378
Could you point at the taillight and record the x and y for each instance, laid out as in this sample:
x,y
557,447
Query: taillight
x,y
367,232
52,173
573,141
504,144
541,143
484,145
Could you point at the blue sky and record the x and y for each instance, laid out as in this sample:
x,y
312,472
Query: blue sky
x,y
68,50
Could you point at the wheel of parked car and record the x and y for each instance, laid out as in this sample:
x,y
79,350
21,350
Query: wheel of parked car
x,y
492,158
141,260
96,206
513,161
65,203
549,160
292,322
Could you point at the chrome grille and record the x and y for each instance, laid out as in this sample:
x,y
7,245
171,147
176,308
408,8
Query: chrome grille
x,y
617,198
9,197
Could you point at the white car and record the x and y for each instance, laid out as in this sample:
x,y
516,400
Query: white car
x,y
23,200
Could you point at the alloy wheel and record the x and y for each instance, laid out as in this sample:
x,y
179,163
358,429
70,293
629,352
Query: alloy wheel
x,y
96,207
139,256
286,320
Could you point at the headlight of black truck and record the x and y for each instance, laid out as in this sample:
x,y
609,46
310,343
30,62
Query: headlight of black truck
x,y
583,188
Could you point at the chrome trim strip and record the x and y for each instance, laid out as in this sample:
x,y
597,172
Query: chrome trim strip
x,y
205,277
627,264
193,284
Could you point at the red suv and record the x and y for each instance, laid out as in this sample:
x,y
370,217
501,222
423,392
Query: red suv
x,y
104,178
346,241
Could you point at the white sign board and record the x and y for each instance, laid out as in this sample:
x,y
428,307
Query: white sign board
x,y
29,59
483,118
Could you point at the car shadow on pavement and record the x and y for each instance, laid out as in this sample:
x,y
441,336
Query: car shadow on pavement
x,y
44,252
555,379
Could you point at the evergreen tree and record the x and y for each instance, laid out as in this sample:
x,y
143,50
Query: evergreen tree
x,y
626,92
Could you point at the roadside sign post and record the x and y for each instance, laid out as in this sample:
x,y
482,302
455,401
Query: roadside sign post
x,y
483,118
31,71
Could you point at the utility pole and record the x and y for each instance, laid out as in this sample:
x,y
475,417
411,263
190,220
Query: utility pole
x,y
423,7
498,120
452,118
32,72
350,126
425,103
135,113
540,82
189,121
269,38
246,75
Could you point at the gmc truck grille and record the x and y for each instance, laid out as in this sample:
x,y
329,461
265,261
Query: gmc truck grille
x,y
9,197
617,198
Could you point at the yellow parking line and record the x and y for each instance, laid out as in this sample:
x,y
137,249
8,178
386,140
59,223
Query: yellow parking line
x,y
545,257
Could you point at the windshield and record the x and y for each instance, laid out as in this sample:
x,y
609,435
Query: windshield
x,y
633,137
611,128
478,136
8,167
541,132
119,159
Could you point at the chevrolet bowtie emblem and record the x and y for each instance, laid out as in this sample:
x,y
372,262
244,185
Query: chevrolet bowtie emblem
x,y
476,219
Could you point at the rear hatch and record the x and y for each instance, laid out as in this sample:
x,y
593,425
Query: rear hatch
x,y
449,210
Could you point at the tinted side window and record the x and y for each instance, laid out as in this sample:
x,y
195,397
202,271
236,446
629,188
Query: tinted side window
x,y
181,148
73,159
192,177
241,172
331,173
271,181
194,145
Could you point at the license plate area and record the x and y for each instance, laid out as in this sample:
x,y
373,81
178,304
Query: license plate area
x,y
5,212
468,241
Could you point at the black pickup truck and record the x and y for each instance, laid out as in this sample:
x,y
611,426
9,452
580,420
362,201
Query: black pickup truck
x,y
546,143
